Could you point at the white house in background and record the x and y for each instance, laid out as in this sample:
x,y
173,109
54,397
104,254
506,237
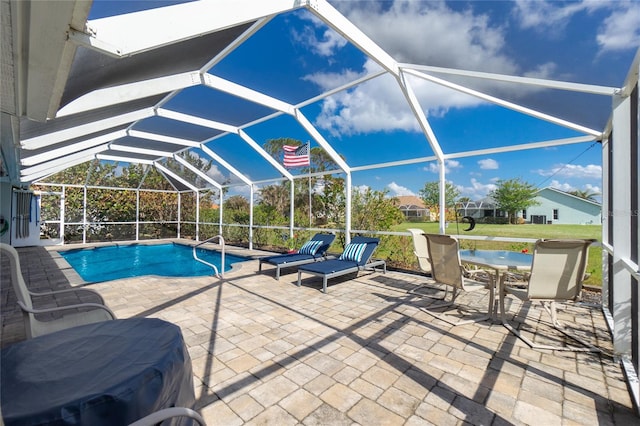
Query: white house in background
x,y
559,207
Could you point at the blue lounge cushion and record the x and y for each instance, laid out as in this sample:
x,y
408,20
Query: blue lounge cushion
x,y
310,247
353,252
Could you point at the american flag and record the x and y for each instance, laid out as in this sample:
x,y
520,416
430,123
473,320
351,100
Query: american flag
x,y
296,156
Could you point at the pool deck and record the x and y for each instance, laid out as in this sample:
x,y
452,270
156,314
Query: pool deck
x,y
267,352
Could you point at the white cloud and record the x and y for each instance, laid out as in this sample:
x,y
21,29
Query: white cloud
x,y
546,16
475,44
215,174
398,190
621,30
379,105
566,187
326,44
593,188
477,190
590,171
488,164
376,105
448,166
478,43
361,189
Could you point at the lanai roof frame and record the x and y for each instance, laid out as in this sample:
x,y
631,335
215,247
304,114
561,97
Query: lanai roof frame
x,y
43,40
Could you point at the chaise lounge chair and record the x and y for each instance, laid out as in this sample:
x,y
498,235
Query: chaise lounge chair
x,y
34,327
312,251
355,257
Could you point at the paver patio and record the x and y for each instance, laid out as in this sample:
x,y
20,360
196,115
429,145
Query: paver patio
x,y
267,352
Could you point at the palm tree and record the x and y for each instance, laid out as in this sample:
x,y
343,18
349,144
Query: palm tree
x,y
587,194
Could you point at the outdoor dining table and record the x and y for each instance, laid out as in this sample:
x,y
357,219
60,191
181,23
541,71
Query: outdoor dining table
x,y
107,373
501,261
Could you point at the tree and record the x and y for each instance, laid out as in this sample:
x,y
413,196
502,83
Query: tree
x,y
513,195
374,210
276,197
586,194
430,195
333,201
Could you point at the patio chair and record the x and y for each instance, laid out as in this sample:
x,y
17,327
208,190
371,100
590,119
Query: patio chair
x,y
34,327
447,269
420,249
355,257
557,272
312,251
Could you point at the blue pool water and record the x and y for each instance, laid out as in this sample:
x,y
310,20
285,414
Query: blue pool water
x,y
168,260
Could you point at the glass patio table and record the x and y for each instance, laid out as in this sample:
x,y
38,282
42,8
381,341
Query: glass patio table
x,y
501,261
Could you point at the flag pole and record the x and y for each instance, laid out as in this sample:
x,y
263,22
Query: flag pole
x,y
310,204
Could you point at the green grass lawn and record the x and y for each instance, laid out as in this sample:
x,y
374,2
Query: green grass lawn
x,y
594,265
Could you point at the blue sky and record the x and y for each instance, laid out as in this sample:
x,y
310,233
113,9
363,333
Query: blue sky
x,y
296,57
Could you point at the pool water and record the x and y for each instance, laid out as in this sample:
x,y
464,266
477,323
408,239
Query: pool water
x,y
168,260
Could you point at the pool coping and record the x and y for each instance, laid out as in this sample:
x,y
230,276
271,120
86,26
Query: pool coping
x,y
75,280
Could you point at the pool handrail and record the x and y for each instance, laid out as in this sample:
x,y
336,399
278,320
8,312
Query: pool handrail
x,y
215,268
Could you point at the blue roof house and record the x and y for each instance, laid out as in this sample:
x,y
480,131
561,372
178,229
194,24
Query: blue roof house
x,y
559,207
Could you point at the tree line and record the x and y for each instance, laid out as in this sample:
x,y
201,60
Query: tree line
x,y
319,200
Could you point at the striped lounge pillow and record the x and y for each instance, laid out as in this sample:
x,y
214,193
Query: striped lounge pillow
x,y
310,247
353,252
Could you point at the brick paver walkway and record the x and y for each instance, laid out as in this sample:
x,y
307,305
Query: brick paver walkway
x,y
267,352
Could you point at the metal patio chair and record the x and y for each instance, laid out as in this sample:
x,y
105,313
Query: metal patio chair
x,y
34,327
447,269
557,273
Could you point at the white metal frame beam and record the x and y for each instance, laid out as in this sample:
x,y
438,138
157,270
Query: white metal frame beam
x,y
197,171
166,171
539,82
330,16
29,175
245,137
53,138
141,151
76,147
137,32
46,167
225,164
129,92
621,215
243,92
123,159
163,138
507,104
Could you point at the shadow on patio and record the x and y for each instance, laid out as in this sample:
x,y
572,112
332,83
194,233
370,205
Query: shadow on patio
x,y
267,352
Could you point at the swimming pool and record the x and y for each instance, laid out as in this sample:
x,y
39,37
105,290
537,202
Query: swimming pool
x,y
125,261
